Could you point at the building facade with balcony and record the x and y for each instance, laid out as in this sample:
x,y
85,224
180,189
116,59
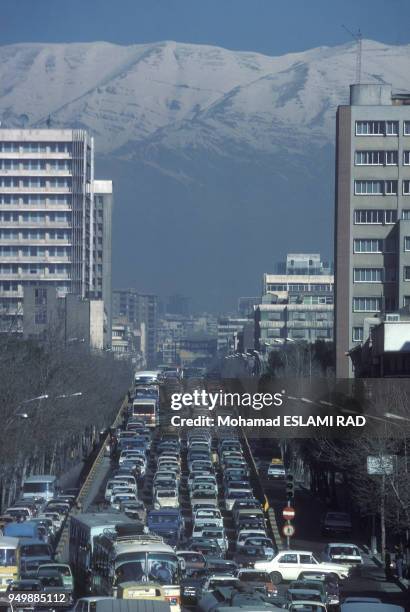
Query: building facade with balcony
x,y
296,306
47,217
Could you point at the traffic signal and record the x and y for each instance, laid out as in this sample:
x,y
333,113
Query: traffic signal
x,y
290,486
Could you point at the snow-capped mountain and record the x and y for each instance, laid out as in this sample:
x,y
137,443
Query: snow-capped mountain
x,y
240,138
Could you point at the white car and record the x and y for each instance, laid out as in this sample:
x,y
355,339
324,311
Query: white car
x,y
212,533
208,517
276,470
348,554
248,533
289,564
166,498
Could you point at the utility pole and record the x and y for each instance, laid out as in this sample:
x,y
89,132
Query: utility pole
x,y
359,42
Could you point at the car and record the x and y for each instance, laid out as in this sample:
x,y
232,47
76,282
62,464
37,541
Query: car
x,y
135,510
215,581
336,522
331,585
119,498
53,582
192,560
47,569
244,534
343,553
232,495
307,606
208,516
307,589
259,581
276,470
191,586
166,498
288,565
206,546
114,482
247,556
216,565
212,533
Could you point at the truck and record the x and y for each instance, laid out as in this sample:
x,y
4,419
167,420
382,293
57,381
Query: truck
x,y
168,523
41,486
84,528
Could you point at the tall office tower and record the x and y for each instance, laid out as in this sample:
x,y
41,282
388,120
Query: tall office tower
x,y
46,215
102,246
372,228
140,310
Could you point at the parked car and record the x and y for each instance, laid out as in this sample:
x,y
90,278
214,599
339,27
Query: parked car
x,y
336,522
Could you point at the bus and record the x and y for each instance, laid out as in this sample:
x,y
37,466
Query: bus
x,y
84,528
146,410
120,556
9,561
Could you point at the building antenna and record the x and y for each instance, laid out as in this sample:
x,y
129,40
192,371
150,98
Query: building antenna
x,y
359,40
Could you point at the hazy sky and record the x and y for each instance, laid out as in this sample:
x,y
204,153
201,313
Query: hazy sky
x,y
268,26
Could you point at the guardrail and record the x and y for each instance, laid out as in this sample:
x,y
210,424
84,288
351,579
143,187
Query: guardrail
x,y
260,493
85,489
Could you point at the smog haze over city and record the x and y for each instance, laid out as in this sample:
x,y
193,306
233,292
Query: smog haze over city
x,y
215,120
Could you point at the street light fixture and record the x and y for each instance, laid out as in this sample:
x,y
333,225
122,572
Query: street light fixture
x,y
44,396
398,417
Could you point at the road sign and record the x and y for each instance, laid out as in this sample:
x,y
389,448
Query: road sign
x,y
288,513
288,530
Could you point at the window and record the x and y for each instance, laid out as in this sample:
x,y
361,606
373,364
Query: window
x,y
357,334
40,296
406,273
40,317
405,214
392,128
288,558
392,158
406,158
407,243
367,245
367,275
390,216
307,560
406,300
368,216
368,187
298,333
376,158
406,187
406,128
370,128
366,304
390,187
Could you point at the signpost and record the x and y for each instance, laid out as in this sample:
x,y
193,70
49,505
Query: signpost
x,y
288,530
288,513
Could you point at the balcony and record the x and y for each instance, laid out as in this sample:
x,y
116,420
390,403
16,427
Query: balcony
x,y
44,172
34,190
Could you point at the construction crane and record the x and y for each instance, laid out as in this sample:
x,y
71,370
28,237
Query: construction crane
x,y
359,39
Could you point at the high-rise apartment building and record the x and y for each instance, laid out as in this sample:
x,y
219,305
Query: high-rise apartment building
x,y
372,229
140,310
49,225
102,247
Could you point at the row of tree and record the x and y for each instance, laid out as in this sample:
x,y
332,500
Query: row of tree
x,y
79,394
337,467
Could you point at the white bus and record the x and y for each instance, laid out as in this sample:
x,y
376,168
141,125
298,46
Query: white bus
x,y
42,485
120,556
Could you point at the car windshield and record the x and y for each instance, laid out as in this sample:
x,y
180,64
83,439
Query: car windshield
x,y
160,519
137,567
7,557
351,551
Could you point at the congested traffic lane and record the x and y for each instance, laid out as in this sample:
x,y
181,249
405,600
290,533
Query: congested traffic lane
x,y
370,581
